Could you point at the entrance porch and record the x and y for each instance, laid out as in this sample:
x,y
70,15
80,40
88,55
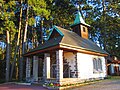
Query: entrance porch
x,y
58,66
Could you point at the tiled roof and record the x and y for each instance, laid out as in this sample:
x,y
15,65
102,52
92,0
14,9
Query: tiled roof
x,y
50,43
70,38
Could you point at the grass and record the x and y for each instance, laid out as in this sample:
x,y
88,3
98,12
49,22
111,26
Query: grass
x,y
2,81
114,77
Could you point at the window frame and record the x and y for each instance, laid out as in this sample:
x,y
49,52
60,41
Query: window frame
x,y
84,29
97,65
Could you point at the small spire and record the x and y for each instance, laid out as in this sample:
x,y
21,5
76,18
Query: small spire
x,y
77,7
79,18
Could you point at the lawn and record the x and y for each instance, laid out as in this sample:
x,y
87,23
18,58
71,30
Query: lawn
x,y
114,77
2,81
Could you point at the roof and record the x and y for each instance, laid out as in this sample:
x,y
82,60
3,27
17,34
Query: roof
x,y
79,20
73,39
69,39
116,61
113,61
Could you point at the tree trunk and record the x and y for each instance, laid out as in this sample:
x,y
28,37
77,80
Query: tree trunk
x,y
24,43
7,56
104,19
41,31
25,31
17,47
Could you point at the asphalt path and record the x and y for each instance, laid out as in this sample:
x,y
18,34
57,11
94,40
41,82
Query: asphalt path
x,y
11,86
101,85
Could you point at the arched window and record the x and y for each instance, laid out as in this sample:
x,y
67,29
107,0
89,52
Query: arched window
x,y
97,65
94,64
100,64
84,30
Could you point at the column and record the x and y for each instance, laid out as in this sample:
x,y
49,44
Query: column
x,y
44,73
28,69
59,62
77,65
35,68
46,65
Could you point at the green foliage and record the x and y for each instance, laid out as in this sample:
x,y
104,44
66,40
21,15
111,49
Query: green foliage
x,y
87,7
39,7
62,12
31,21
106,26
7,17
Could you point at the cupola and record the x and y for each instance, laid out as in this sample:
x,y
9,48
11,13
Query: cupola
x,y
80,27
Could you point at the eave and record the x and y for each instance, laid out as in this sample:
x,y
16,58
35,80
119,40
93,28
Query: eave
x,y
41,51
65,47
81,50
87,25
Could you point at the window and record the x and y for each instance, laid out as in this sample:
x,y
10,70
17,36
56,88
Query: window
x,y
84,29
97,65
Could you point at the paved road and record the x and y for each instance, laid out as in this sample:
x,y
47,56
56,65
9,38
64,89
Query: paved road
x,y
20,87
104,85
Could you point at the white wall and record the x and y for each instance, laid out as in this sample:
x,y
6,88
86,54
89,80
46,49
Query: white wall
x,y
119,67
112,68
85,66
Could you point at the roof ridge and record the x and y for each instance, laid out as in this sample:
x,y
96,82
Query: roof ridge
x,y
65,29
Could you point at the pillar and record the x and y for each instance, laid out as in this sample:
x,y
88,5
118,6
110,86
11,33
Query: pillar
x,y
59,62
46,70
35,68
28,69
77,65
